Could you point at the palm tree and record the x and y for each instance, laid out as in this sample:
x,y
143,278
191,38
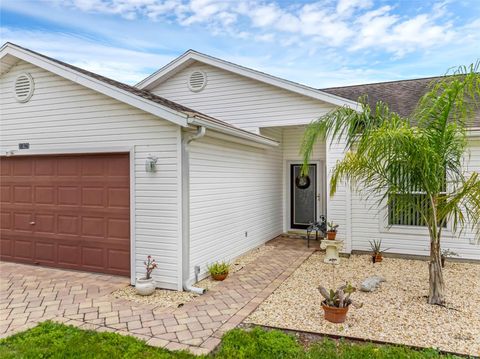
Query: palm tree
x,y
413,165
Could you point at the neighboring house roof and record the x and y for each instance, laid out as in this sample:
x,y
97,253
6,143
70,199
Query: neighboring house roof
x,y
157,105
191,56
401,96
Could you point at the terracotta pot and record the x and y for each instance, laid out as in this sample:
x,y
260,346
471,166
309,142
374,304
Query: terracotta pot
x,y
219,277
377,258
334,314
331,235
145,286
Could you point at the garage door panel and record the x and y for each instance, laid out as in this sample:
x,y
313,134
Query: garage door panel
x,y
6,248
45,252
21,222
118,197
93,257
68,167
23,249
6,169
22,194
93,167
93,196
93,227
118,228
22,167
67,211
5,191
44,195
67,224
68,255
118,258
5,220
68,195
45,166
116,168
44,223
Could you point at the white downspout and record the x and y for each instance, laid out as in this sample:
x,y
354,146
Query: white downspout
x,y
186,140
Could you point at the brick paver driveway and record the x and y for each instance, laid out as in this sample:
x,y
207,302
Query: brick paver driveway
x,y
32,294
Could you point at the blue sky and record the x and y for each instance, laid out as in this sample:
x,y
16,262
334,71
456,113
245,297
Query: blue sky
x,y
319,43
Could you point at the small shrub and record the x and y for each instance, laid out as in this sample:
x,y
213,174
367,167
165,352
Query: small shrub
x,y
218,268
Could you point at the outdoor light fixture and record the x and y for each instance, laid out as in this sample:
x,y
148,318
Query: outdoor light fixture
x,y
151,164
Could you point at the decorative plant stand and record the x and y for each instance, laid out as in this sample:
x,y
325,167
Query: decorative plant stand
x,y
331,248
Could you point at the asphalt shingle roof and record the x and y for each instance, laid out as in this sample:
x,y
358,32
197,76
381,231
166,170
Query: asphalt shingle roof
x,y
401,96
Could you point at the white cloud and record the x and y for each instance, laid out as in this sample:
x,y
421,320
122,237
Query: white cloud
x,y
356,24
118,63
382,29
321,43
347,7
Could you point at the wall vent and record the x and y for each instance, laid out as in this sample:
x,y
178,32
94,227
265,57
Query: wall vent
x,y
24,87
197,81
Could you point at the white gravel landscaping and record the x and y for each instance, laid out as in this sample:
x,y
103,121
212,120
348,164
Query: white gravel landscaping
x,y
169,298
397,312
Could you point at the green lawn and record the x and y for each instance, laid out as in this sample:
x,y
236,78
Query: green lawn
x,y
52,340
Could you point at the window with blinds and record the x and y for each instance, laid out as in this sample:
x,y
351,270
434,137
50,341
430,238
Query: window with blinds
x,y
401,213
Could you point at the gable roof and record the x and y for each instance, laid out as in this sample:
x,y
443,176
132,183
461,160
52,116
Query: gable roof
x,y
401,96
191,56
144,100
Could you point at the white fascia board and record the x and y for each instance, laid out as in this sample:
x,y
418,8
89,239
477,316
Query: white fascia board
x,y
124,96
191,56
251,138
166,71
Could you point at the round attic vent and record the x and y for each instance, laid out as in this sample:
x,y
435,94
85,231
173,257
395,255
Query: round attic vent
x,y
197,81
24,87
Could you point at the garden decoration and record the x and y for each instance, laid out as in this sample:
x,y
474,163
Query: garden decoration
x,y
146,285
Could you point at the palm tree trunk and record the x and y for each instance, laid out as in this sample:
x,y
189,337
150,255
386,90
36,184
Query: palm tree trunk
x,y
437,285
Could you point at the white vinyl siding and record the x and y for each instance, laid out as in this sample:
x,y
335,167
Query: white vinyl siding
x,y
368,223
291,139
235,199
62,115
338,206
243,102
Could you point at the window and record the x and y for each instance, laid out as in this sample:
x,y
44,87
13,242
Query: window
x,y
403,214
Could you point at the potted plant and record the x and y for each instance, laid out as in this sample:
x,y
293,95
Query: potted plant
x,y
447,253
336,302
146,285
377,251
332,231
219,270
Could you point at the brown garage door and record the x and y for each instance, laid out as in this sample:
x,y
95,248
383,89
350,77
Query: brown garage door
x,y
67,211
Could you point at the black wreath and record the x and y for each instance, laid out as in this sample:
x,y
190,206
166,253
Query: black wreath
x,y
302,182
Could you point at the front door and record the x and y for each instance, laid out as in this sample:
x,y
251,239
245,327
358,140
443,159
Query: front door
x,y
303,196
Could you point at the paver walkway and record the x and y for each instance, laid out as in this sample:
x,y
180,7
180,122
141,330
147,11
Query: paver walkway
x,y
33,294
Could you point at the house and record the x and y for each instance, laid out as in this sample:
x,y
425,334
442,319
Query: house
x,y
196,163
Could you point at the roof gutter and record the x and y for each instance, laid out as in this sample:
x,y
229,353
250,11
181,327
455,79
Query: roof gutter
x,y
186,140
232,131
